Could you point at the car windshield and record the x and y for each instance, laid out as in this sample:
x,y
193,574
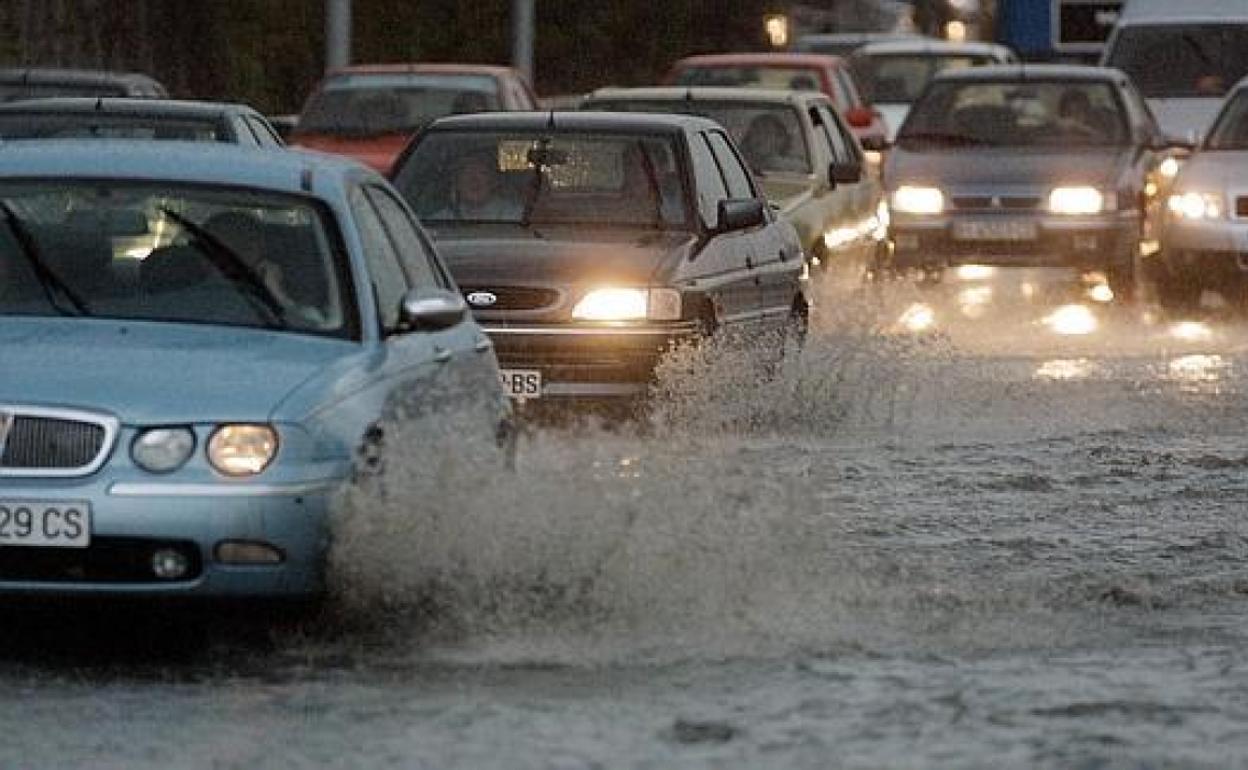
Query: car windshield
x,y
166,252
368,105
532,178
1193,60
1016,113
770,135
791,78
900,78
34,125
1230,131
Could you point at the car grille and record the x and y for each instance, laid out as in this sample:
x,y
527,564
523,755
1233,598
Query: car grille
x,y
48,441
106,560
1241,206
516,297
996,203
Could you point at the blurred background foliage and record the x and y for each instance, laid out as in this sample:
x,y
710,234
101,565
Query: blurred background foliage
x,y
270,52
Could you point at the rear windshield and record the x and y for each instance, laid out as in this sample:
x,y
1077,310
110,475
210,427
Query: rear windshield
x,y
770,135
530,178
26,125
791,78
900,78
1194,60
11,92
369,105
1016,113
1230,131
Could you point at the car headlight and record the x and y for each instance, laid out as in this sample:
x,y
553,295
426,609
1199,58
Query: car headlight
x,y
242,450
1076,200
918,200
619,304
1195,205
1169,167
162,450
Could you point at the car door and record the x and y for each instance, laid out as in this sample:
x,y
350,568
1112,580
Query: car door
x,y
725,265
462,354
776,260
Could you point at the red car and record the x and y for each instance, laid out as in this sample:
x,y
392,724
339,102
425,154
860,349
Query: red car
x,y
369,112
797,71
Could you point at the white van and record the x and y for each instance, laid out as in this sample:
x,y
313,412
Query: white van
x,y
1183,55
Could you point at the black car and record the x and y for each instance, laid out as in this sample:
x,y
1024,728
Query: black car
x,y
588,243
43,82
126,118
1025,166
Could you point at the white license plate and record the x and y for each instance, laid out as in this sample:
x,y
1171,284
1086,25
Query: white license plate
x,y
1003,230
521,383
54,524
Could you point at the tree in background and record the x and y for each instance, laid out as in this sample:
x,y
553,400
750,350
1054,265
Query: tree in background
x,y
269,52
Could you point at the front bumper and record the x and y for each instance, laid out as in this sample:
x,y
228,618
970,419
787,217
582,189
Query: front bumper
x,y
130,521
1212,248
589,361
1080,242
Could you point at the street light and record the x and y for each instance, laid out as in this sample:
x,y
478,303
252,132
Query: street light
x,y
777,27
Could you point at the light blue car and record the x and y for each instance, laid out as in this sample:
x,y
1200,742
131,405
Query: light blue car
x,y
197,341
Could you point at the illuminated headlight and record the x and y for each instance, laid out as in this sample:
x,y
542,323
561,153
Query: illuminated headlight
x,y
918,200
1196,205
1076,200
614,304
1169,168
162,450
242,450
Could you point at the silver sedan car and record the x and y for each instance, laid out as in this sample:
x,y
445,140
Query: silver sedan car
x,y
1204,235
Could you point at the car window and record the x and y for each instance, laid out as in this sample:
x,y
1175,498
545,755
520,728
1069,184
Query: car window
x,y
1017,113
734,172
33,124
1230,129
532,177
368,105
1182,60
174,252
844,92
844,149
711,188
792,78
385,272
900,78
412,250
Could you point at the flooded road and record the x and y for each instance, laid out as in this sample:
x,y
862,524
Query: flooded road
x,y
984,544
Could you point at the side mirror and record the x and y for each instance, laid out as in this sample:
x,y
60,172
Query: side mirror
x,y
427,310
740,214
845,172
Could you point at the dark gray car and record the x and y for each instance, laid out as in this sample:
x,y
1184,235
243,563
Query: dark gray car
x,y
589,242
1025,166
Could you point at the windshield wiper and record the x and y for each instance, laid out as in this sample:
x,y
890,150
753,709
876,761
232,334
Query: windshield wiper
x,y
949,137
235,269
49,281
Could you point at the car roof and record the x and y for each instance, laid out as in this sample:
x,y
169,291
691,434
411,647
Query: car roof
x,y
934,46
66,75
1032,72
710,93
816,38
777,59
214,163
1182,11
113,105
587,120
423,68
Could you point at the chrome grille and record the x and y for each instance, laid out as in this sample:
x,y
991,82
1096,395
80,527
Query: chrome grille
x,y
997,202
51,442
516,297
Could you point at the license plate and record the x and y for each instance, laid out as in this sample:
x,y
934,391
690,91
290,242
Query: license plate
x,y
1003,230
521,383
48,524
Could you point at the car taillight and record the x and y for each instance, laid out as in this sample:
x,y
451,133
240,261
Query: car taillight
x,y
860,117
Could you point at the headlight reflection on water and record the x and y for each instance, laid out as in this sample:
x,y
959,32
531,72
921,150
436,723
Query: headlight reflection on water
x,y
1191,331
1066,369
919,317
1071,320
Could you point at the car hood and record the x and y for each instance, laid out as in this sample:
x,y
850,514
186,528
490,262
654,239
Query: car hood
x,y
157,373
1185,118
1214,171
378,151
565,260
1005,167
